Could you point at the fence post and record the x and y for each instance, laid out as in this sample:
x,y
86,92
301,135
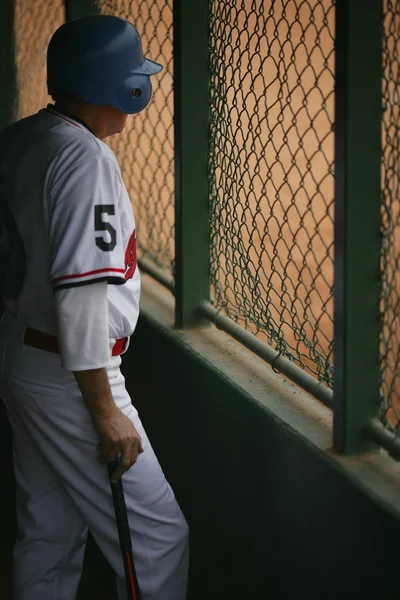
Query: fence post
x,y
79,8
8,73
358,110
191,126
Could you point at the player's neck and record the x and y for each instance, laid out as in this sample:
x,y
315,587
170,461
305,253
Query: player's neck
x,y
90,115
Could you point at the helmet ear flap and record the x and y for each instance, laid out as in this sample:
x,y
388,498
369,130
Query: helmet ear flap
x,y
135,94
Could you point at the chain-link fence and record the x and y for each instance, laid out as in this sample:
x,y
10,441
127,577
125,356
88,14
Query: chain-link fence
x,y
145,149
271,172
270,166
390,258
35,23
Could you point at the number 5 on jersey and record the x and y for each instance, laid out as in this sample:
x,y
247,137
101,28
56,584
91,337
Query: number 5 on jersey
x,y
107,241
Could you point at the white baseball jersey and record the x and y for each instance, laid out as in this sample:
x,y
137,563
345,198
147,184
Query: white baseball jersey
x,y
69,221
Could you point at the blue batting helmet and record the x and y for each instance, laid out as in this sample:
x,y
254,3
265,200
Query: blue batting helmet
x,y
100,59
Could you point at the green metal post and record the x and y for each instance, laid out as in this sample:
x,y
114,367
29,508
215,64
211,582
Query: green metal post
x,y
79,8
191,110
359,30
7,64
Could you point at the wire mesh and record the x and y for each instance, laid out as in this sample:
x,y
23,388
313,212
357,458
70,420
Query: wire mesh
x,y
271,173
35,23
145,149
390,257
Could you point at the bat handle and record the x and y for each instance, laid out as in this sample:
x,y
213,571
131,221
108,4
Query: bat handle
x,y
124,536
120,510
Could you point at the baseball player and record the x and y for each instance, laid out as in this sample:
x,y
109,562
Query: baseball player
x,y
71,296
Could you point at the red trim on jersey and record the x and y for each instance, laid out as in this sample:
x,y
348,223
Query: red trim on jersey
x,y
64,277
63,118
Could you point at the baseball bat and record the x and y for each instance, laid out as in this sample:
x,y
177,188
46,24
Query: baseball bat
x,y
124,535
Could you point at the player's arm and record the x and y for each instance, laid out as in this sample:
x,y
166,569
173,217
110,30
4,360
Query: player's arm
x,y
114,428
82,323
96,391
84,264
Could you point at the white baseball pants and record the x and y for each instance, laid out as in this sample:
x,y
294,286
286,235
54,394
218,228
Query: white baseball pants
x,y
62,488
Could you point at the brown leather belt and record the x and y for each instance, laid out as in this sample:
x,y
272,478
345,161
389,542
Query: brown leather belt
x,y
45,341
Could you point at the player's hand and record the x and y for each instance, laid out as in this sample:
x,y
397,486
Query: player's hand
x,y
118,437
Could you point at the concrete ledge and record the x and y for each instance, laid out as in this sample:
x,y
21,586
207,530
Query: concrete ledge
x,y
375,473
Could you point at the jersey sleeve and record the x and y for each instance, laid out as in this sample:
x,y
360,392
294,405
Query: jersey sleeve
x,y
85,227
82,327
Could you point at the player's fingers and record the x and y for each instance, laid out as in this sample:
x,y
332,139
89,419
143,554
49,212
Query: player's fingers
x,y
125,463
103,452
136,449
108,453
113,454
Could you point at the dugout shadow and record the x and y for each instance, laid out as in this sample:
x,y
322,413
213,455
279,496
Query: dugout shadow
x,y
269,514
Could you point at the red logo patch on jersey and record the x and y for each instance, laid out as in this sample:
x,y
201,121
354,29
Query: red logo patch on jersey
x,y
130,257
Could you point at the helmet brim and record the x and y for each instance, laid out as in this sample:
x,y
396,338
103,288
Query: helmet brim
x,y
148,67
